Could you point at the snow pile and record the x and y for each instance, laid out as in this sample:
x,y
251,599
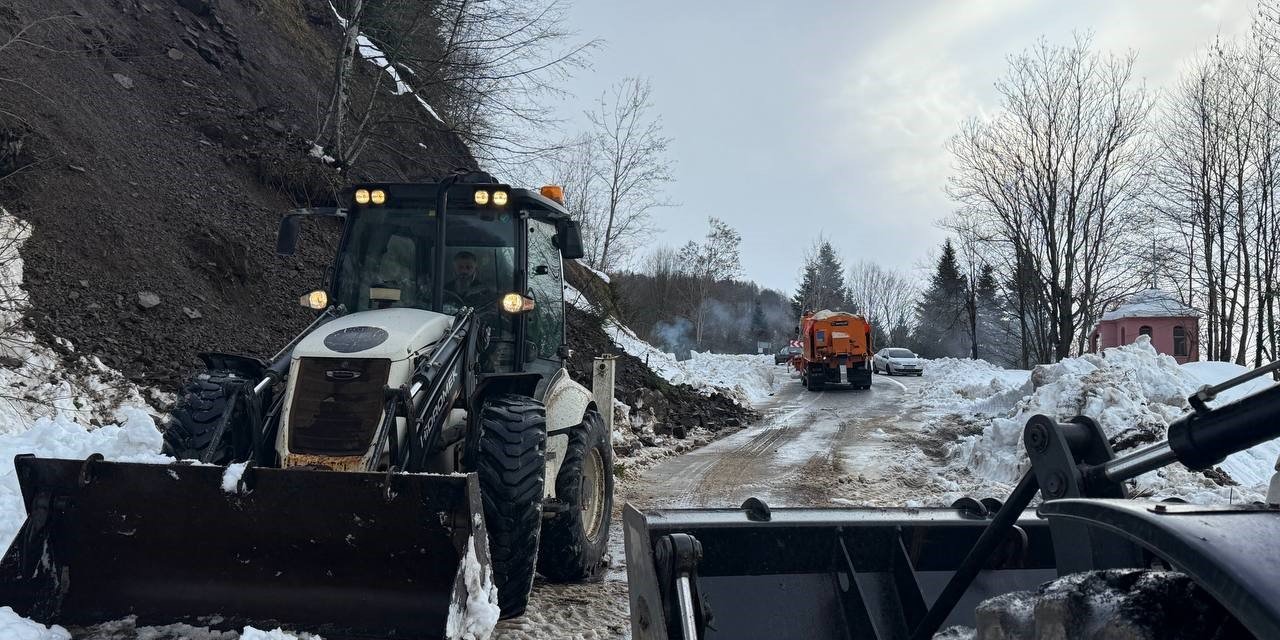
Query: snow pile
x,y
251,633
231,477
970,386
16,627
134,439
1133,393
475,618
746,378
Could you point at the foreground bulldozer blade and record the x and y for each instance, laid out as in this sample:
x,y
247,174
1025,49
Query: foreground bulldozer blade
x,y
812,573
341,554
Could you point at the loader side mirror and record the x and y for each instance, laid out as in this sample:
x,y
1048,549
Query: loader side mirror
x,y
287,239
569,238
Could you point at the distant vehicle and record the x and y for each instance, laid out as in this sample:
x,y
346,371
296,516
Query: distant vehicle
x,y
836,350
786,354
895,360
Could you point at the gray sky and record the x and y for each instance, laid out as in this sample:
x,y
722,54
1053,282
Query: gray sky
x,y
791,119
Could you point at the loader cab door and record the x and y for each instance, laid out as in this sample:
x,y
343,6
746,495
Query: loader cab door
x,y
544,334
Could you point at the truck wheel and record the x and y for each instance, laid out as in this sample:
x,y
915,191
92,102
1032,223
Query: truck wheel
x,y
812,383
575,540
513,440
194,420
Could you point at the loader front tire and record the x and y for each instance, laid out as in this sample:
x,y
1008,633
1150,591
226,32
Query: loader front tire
x,y
511,466
574,541
194,420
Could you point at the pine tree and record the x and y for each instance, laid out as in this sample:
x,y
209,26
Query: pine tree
x,y
992,338
759,326
822,286
940,312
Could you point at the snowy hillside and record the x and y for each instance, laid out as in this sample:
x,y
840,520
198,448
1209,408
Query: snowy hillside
x,y
1132,391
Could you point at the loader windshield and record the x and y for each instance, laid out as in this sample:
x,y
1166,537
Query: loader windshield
x,y
389,259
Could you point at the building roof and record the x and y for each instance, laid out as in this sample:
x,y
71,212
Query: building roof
x,y
1151,303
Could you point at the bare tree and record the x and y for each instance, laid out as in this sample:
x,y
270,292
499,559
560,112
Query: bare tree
x,y
576,167
1219,149
1053,178
479,70
634,168
716,258
886,297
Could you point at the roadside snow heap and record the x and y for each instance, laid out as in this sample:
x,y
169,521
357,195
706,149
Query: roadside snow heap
x,y
746,378
1132,391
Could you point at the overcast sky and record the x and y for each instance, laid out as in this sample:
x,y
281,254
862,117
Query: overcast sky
x,y
791,119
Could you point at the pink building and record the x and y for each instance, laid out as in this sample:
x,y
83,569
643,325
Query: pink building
x,y
1174,327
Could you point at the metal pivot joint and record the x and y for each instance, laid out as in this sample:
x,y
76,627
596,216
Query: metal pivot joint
x,y
676,557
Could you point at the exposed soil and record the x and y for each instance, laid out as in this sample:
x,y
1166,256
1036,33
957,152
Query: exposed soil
x,y
154,146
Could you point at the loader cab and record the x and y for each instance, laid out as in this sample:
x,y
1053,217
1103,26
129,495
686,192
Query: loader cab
x,y
496,249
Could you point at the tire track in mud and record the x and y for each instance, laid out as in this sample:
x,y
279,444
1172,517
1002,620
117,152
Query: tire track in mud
x,y
703,477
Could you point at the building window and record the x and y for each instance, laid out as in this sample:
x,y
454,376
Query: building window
x,y
1093,343
1122,337
1144,330
1180,342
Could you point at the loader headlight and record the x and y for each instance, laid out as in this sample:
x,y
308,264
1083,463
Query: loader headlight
x,y
516,303
482,197
500,198
378,196
316,300
362,196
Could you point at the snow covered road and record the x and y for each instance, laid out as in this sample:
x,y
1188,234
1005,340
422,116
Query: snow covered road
x,y
810,449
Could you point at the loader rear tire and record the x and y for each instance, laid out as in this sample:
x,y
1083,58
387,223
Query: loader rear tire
x,y
511,466
195,418
575,540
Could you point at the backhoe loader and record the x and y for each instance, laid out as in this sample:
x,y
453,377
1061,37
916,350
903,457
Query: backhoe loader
x,y
898,573
400,468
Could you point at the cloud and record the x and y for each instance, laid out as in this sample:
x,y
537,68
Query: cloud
x,y
904,94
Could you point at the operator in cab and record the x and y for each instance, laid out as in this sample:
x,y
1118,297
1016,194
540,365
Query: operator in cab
x,y
465,286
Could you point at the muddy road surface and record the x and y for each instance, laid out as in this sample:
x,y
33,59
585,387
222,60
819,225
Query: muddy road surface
x,y
805,452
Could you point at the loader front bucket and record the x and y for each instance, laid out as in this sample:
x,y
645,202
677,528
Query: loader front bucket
x,y
813,573
337,553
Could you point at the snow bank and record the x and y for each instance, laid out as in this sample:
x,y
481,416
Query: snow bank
x,y
251,633
1133,393
599,274
16,627
970,386
746,378
577,299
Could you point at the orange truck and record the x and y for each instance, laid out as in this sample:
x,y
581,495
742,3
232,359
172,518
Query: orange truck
x,y
836,349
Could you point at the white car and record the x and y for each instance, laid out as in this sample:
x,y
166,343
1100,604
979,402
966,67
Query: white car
x,y
894,361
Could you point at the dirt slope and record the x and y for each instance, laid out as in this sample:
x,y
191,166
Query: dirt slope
x,y
159,144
